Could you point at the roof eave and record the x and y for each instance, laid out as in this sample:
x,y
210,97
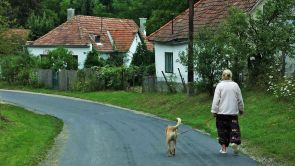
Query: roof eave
x,y
60,45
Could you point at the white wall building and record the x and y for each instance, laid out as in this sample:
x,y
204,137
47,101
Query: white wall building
x,y
81,34
173,36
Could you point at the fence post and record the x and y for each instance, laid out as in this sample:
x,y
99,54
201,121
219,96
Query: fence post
x,y
169,86
182,80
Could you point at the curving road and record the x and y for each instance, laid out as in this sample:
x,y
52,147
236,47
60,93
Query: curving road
x,y
101,135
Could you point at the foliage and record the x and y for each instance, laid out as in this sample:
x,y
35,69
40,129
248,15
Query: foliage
x,y
59,58
19,69
271,31
116,59
94,59
233,37
283,89
142,56
21,10
144,60
158,12
218,48
257,42
162,11
106,77
10,43
40,25
149,70
87,81
85,7
209,59
5,9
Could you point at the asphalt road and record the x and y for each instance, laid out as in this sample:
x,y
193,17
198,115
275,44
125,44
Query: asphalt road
x,y
101,135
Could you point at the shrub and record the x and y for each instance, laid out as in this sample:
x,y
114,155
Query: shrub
x,y
19,69
283,89
59,58
142,56
107,77
116,59
94,59
87,81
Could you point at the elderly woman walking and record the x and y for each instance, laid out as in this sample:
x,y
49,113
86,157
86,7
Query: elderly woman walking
x,y
227,104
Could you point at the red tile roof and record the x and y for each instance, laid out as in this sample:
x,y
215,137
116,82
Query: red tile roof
x,y
22,33
206,13
79,29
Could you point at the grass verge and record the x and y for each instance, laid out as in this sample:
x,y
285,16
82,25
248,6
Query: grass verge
x,y
268,126
25,137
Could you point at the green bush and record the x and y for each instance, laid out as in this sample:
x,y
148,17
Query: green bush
x,y
116,59
19,69
87,81
107,77
200,86
94,59
59,58
283,88
142,56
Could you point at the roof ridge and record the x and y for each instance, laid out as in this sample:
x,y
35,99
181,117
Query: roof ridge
x,y
105,17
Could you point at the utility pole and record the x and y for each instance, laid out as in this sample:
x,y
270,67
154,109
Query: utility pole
x,y
190,76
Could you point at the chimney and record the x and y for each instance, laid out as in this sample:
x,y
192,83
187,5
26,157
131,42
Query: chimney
x,y
70,13
142,22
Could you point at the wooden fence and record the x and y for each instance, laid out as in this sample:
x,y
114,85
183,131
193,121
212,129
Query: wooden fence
x,y
62,80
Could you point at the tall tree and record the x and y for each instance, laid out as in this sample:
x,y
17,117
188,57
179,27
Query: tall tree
x,y
5,7
22,9
272,31
234,37
142,56
10,42
40,25
161,11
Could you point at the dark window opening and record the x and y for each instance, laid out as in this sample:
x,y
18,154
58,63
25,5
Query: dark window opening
x,y
75,57
97,39
168,62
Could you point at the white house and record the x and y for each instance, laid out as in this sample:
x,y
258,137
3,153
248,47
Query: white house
x,y
172,38
81,34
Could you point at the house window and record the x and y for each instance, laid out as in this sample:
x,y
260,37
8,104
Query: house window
x,y
97,39
168,62
75,57
43,58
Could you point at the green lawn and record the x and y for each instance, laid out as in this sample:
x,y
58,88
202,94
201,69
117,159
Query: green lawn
x,y
268,125
25,137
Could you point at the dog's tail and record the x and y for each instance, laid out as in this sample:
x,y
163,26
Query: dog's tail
x,y
178,122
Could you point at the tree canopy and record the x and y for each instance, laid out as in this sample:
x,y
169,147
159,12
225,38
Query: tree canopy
x,y
158,12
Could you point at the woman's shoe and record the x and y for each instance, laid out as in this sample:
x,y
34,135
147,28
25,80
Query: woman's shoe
x,y
222,151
